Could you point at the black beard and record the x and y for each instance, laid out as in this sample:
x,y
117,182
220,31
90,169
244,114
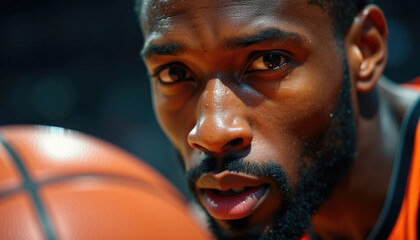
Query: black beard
x,y
331,154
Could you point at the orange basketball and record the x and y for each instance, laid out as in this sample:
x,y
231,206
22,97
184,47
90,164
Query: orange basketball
x,y
62,184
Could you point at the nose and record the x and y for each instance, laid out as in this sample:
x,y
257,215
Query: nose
x,y
221,125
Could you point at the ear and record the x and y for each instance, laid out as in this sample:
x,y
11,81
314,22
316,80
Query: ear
x,y
366,47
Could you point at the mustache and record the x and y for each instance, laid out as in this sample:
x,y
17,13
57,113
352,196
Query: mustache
x,y
233,163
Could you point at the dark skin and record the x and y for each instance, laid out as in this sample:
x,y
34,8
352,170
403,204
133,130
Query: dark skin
x,y
238,77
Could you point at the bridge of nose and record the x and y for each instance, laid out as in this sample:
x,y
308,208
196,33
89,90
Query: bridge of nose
x,y
220,119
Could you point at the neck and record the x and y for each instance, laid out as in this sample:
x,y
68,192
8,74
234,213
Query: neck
x,y
356,202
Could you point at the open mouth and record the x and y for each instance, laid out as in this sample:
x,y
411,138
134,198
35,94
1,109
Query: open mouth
x,y
234,203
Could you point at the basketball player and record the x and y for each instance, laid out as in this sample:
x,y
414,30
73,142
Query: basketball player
x,y
285,125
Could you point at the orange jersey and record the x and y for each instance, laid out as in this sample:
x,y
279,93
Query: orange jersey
x,y
407,225
400,216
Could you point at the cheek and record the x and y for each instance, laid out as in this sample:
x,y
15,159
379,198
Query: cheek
x,y
304,108
173,126
175,117
300,110
176,129
166,115
283,147
313,114
316,98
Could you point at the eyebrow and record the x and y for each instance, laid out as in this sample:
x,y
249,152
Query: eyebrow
x,y
173,49
176,49
266,35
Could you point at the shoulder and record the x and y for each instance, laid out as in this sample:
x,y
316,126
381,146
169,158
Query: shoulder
x,y
399,96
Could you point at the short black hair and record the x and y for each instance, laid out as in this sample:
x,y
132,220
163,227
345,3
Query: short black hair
x,y
342,12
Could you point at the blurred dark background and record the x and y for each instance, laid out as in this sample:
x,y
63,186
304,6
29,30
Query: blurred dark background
x,y
75,64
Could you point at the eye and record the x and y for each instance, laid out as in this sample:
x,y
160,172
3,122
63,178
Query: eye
x,y
268,61
173,74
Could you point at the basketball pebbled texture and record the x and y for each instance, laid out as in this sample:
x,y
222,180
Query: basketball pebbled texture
x,y
62,184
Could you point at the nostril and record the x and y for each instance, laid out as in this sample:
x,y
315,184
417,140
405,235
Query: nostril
x,y
210,138
198,146
235,142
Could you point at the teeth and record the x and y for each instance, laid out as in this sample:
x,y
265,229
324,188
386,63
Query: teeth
x,y
231,191
238,189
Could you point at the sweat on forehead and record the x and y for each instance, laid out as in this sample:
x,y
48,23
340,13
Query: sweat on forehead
x,y
224,25
158,16
341,11
157,13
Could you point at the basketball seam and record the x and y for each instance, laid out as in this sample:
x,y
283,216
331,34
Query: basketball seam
x,y
31,187
114,177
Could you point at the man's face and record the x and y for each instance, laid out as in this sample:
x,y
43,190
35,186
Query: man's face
x,y
251,95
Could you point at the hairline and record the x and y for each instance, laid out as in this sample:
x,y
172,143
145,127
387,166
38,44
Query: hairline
x,y
340,21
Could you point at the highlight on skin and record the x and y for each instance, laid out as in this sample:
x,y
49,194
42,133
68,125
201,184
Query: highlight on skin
x,y
324,159
330,155
341,11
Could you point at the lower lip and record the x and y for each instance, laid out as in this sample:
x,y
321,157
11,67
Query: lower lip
x,y
234,207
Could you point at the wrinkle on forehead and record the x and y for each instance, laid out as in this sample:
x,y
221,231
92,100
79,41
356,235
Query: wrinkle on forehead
x,y
158,15
204,24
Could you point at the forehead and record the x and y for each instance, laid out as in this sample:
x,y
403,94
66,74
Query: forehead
x,y
204,23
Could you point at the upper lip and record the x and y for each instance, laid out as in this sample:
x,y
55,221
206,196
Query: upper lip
x,y
226,180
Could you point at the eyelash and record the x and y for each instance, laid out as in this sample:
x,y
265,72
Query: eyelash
x,y
253,57
159,69
162,68
256,55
